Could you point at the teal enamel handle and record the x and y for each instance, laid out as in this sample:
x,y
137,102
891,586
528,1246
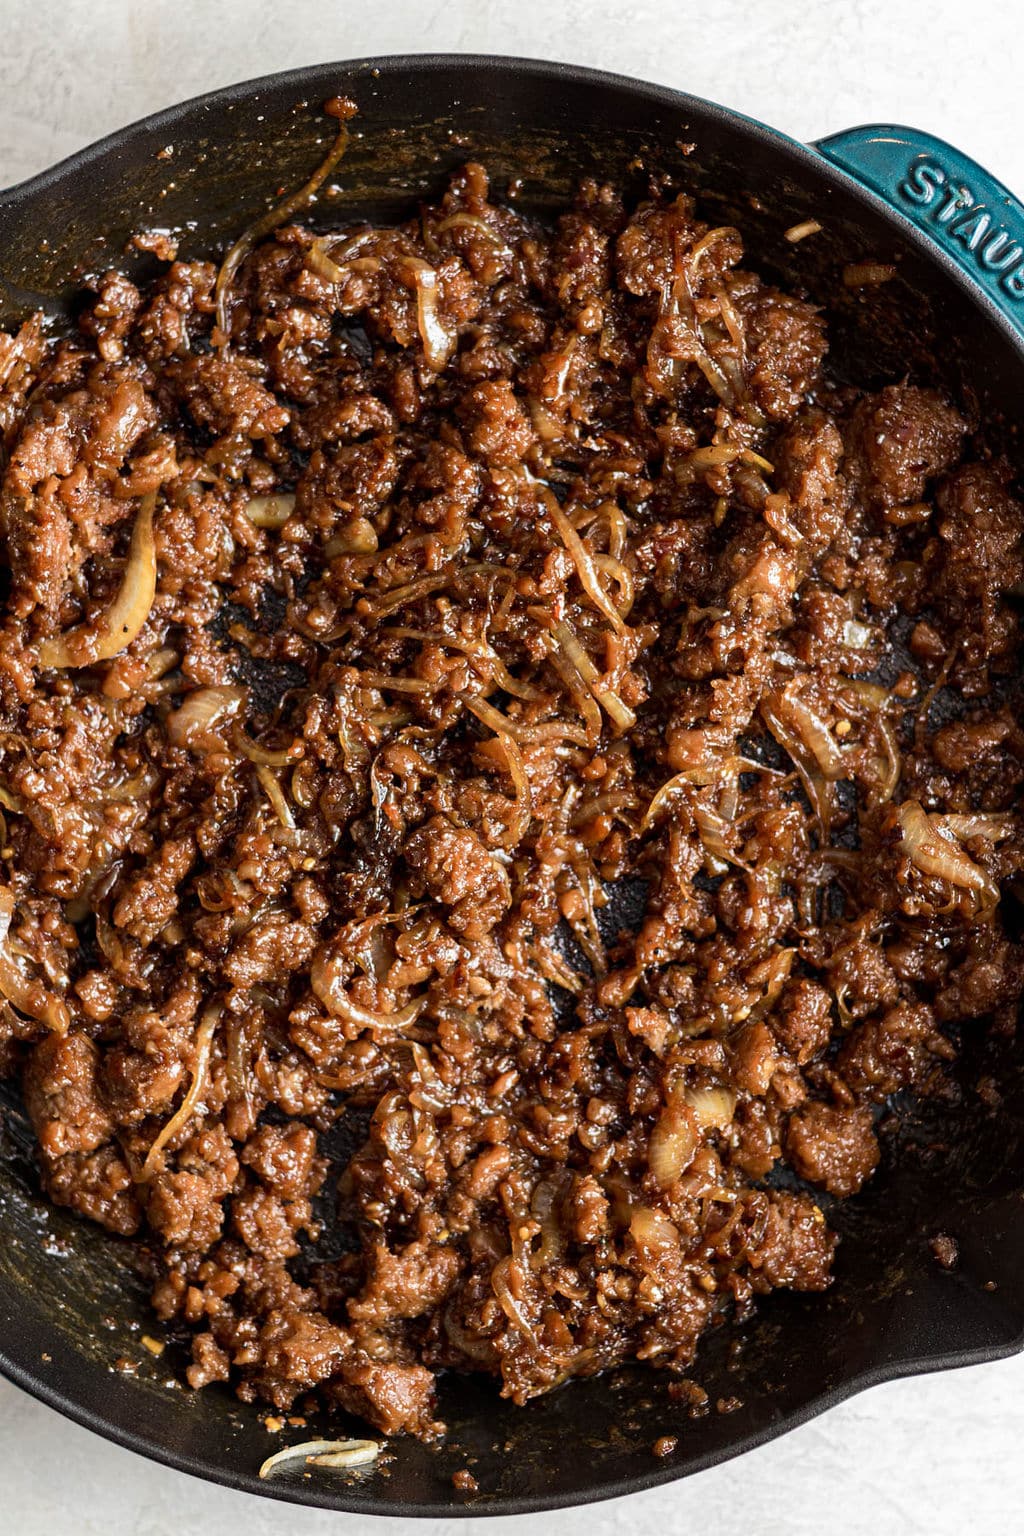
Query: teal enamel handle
x,y
975,219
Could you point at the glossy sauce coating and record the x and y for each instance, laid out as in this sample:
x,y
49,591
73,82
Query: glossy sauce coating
x,y
354,656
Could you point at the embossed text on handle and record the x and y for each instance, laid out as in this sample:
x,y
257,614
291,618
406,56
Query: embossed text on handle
x,y
997,250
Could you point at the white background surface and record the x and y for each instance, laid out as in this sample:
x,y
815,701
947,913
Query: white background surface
x,y
937,1455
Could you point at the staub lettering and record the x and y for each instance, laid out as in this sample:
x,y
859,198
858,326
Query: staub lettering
x,y
964,218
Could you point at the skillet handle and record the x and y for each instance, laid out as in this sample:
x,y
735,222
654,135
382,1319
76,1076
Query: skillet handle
x,y
972,217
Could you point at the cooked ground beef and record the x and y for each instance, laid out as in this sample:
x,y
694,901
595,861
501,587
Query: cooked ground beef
x,y
375,615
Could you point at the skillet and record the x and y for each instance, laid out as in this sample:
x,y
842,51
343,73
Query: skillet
x,y
72,1300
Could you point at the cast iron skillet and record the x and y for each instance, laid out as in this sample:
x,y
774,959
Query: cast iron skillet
x,y
71,1300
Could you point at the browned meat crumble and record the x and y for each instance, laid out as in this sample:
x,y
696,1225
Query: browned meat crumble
x,y
355,649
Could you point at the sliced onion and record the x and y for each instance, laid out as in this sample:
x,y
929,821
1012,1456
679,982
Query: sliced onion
x,y
239,1065
713,1108
438,342
868,274
396,1129
618,531
891,764
711,237
520,823
470,647
200,1071
615,800
716,455
932,848
564,365
580,693
91,642
797,232
470,1345
813,731
410,591
285,757
707,769
27,996
349,1453
712,830
271,220
588,933
731,319
324,1453
660,799
509,1302
545,1203
711,456
384,680
327,983
772,974
619,574
451,574
433,1094
330,263
727,382
472,221
816,786
319,262
358,537
201,712
556,969
994,828
270,511
716,377
275,794
673,1142
873,694
861,637
652,1232
581,558
617,711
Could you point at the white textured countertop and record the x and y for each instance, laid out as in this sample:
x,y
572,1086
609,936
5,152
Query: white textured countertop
x,y
939,1454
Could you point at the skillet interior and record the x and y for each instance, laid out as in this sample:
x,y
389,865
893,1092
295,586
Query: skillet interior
x,y
71,1302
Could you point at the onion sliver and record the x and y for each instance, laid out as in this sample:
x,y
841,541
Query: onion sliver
x,y
673,1142
200,714
271,220
275,794
27,996
324,1453
438,342
618,712
329,988
200,1071
933,849
89,643
583,561
270,511
523,803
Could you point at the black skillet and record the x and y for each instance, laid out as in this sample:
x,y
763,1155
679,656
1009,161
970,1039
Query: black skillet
x,y
71,1300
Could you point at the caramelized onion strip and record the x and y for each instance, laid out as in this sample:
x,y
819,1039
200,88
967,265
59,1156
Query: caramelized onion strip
x,y
200,1072
27,996
582,560
88,643
271,220
489,716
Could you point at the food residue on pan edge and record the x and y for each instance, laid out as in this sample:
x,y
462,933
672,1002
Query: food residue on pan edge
x,y
378,608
